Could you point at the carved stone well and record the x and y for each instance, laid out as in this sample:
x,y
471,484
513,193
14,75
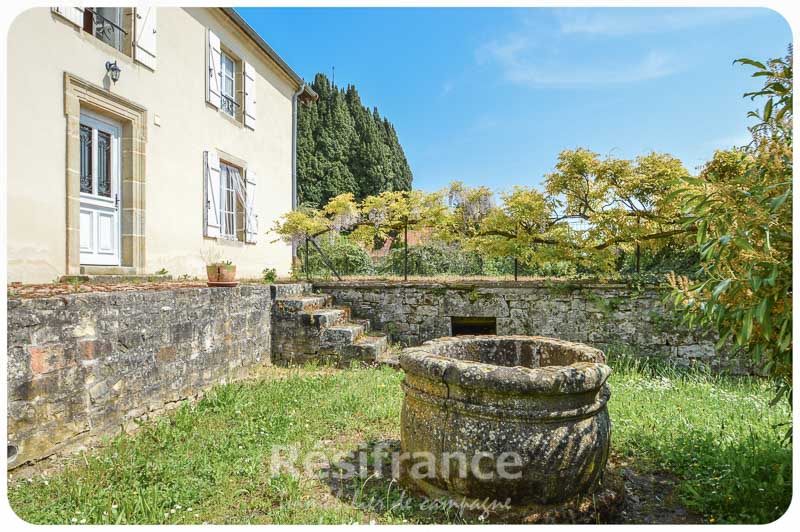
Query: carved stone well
x,y
521,420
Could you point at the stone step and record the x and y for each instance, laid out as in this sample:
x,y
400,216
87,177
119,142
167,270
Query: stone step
x,y
340,335
368,348
363,323
284,290
303,303
389,358
328,317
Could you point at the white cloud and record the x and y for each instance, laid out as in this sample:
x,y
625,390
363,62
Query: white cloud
x,y
533,55
524,63
506,51
617,22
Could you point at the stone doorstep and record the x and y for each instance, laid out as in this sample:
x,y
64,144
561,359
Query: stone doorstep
x,y
108,270
367,349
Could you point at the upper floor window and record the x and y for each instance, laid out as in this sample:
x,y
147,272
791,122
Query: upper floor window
x,y
109,24
231,82
131,30
228,76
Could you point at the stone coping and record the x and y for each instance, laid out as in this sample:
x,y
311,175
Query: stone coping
x,y
432,360
467,284
19,291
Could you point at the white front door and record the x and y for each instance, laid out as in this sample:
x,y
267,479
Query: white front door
x,y
101,161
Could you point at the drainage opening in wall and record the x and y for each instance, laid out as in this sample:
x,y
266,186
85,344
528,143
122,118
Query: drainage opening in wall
x,y
472,326
13,452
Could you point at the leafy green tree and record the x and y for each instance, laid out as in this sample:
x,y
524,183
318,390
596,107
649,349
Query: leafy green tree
x,y
741,205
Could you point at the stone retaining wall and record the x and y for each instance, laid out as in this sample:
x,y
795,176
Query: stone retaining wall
x,y
601,315
81,366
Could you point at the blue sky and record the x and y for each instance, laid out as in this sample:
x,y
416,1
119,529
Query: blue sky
x,y
491,96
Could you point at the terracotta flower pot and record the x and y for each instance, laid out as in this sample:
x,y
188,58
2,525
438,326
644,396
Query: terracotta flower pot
x,y
221,273
227,273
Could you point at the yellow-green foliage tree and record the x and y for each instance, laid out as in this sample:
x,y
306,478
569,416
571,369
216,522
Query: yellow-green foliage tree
x,y
374,217
741,204
589,211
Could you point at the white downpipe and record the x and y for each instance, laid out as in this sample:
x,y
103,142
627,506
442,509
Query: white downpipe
x,y
294,154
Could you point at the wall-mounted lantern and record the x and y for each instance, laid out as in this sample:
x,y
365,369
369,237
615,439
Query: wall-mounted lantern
x,y
113,70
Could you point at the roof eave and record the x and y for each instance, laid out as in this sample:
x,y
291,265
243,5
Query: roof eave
x,y
308,94
266,48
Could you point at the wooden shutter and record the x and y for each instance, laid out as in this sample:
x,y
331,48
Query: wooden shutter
x,y
249,95
214,94
145,31
73,14
251,218
212,195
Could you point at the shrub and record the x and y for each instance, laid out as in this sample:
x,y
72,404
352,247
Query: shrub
x,y
269,275
347,257
430,259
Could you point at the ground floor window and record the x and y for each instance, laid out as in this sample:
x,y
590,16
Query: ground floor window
x,y
232,204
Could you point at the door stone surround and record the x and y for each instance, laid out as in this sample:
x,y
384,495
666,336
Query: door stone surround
x,y
81,94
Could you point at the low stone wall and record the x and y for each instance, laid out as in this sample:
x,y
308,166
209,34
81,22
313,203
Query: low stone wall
x,y
601,315
81,366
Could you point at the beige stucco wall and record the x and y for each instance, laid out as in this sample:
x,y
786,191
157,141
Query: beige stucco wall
x,y
42,46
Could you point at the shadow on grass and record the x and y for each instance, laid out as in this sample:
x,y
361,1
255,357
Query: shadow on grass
x,y
364,478
367,478
744,481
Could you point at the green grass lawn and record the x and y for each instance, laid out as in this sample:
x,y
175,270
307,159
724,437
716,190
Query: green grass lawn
x,y
210,462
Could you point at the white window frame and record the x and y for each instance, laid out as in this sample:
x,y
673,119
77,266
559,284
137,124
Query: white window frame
x,y
228,103
229,202
115,16
99,124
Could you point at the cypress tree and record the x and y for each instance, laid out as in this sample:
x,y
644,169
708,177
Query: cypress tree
x,y
342,146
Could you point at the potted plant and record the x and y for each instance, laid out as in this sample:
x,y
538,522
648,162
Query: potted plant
x,y
221,272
